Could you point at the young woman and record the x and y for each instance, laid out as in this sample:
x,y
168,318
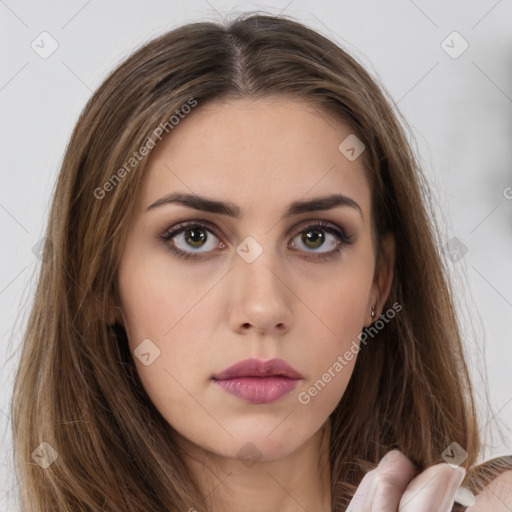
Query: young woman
x,y
242,306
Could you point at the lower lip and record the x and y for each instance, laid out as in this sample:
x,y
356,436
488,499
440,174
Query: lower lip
x,y
258,390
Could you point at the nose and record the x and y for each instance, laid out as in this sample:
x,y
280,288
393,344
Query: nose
x,y
260,297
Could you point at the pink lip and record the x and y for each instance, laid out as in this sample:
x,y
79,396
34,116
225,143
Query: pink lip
x,y
258,381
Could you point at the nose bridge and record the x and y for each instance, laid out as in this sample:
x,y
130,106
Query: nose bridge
x,y
258,263
260,296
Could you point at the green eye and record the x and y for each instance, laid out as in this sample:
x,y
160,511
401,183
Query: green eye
x,y
200,235
314,236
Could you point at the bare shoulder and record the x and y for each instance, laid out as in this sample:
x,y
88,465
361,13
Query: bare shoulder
x,y
496,496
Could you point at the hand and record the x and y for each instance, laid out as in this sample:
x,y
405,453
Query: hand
x,y
395,486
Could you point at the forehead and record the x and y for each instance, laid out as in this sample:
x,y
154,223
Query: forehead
x,y
259,153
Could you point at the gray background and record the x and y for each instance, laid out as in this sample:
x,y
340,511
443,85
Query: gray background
x,y
460,110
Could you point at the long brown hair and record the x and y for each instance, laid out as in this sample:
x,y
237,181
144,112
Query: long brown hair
x,y
77,389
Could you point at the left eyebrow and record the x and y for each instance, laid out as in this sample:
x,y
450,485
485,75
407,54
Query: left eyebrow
x,y
233,210
322,203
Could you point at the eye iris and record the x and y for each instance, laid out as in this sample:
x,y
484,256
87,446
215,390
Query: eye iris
x,y
317,236
197,236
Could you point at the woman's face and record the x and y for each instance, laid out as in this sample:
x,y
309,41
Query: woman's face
x,y
259,279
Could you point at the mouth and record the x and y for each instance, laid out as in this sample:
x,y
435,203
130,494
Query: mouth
x,y
257,381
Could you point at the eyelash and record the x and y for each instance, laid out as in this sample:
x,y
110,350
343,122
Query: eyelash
x,y
339,233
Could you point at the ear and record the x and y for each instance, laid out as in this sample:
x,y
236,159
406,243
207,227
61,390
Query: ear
x,y
382,278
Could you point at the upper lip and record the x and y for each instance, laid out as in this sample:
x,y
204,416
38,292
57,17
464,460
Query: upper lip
x,y
259,368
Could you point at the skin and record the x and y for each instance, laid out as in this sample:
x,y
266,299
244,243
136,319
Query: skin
x,y
496,497
205,314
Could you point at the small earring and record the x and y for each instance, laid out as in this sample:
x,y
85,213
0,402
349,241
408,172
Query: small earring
x,y
373,311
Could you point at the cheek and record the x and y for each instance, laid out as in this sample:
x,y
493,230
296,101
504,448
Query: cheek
x,y
333,354
165,318
340,301
165,315
157,294
332,327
